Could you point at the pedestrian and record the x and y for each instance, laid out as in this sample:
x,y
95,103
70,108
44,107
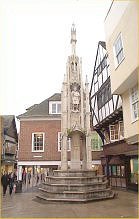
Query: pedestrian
x,y
37,178
11,183
4,182
24,176
15,176
29,177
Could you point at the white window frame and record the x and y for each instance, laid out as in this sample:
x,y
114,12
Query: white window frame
x,y
50,107
115,139
114,51
121,130
133,102
33,141
120,136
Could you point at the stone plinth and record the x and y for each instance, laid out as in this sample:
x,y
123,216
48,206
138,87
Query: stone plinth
x,y
75,186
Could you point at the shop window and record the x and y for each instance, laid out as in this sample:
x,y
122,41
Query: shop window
x,y
110,171
134,170
114,170
122,171
117,170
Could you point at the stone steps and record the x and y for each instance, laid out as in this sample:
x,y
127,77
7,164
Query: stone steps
x,y
81,184
93,194
75,192
73,200
74,173
75,186
74,180
76,200
75,177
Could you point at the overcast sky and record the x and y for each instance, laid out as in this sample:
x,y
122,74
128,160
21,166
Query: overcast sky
x,y
35,44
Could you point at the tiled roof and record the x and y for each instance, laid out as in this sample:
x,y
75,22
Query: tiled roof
x,y
7,120
42,109
9,125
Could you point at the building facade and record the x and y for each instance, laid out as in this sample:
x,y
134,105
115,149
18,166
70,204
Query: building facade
x,y
9,143
39,137
107,120
121,29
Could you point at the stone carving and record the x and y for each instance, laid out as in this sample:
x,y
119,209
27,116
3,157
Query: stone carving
x,y
75,95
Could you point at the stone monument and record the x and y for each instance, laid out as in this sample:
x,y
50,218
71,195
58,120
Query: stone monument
x,y
75,181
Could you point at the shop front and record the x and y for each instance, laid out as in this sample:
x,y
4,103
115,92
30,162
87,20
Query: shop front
x,y
134,174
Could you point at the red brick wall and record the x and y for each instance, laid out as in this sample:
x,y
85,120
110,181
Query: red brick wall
x,y
50,128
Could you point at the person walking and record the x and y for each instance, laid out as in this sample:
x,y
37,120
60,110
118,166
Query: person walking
x,y
37,178
24,176
4,182
29,177
11,183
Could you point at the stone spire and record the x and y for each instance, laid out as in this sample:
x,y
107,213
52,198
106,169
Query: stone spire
x,y
73,39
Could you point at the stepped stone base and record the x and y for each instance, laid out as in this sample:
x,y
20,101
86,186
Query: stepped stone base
x,y
75,186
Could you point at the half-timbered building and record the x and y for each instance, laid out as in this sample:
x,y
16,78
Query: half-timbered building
x,y
9,143
107,121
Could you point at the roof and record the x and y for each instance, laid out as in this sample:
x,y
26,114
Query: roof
x,y
42,109
9,126
102,43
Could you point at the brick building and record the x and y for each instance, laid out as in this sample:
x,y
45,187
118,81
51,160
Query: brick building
x,y
39,138
39,133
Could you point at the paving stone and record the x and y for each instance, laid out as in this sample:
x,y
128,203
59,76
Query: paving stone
x,y
25,205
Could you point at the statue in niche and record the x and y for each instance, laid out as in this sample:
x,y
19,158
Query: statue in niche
x,y
75,95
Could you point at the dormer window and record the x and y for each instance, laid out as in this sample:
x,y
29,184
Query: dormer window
x,y
55,107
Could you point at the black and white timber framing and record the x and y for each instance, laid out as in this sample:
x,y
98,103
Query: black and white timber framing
x,y
106,108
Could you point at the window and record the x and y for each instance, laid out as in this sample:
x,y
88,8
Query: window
x,y
121,130
134,103
59,141
114,132
113,171
38,142
104,95
117,170
134,170
118,50
117,131
55,107
96,142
